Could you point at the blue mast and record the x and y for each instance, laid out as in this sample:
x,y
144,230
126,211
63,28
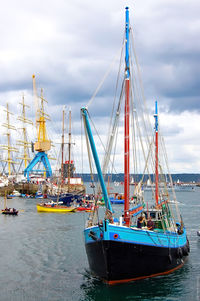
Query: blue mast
x,y
127,73
96,159
156,116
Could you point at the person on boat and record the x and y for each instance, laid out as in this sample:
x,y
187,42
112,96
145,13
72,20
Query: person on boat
x,y
141,220
150,224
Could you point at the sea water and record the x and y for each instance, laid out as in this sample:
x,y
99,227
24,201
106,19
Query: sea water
x,y
42,257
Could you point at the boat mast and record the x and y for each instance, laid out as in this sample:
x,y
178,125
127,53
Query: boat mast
x,y
62,146
9,147
126,125
24,143
69,150
156,152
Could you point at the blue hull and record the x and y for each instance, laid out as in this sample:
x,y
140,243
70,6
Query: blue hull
x,y
65,198
117,201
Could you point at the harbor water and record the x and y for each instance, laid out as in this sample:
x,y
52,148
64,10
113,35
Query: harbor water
x,y
42,257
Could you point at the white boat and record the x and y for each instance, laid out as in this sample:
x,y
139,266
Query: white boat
x,y
15,193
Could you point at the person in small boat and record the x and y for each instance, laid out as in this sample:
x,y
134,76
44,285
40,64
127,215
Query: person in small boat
x,y
150,224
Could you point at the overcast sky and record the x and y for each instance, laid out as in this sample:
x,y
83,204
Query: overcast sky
x,y
69,45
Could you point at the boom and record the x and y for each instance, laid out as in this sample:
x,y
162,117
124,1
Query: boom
x,y
96,159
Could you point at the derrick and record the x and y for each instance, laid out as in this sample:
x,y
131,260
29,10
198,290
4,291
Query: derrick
x,y
42,144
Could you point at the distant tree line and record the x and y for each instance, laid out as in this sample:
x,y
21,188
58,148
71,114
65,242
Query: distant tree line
x,y
182,177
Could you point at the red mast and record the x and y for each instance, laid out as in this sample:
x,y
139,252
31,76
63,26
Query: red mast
x,y
126,126
62,147
156,154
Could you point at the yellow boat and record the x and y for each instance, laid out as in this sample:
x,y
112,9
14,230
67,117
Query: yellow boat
x,y
55,208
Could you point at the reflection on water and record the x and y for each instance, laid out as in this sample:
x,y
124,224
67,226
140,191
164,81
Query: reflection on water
x,y
169,287
43,258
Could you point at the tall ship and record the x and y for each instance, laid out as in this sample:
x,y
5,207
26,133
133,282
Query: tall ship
x,y
16,153
10,149
149,238
69,187
70,182
23,143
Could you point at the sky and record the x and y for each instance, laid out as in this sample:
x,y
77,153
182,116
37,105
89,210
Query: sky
x,y
69,46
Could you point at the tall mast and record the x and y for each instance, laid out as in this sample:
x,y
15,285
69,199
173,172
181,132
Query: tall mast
x,y
126,124
69,150
26,145
9,147
156,152
62,146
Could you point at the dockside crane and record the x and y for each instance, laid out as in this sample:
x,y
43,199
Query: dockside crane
x,y
42,144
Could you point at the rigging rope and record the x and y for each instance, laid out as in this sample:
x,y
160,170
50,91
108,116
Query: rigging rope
x,y
103,79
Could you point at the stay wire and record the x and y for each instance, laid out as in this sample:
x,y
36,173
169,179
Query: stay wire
x,y
104,78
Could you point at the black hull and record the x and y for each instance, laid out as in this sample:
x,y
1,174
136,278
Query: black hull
x,y
10,213
116,262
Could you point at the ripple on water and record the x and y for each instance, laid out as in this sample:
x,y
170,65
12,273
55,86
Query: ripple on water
x,y
43,258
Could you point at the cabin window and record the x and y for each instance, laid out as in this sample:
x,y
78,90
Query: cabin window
x,y
153,215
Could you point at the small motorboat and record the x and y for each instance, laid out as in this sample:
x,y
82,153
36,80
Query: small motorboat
x,y
82,208
15,193
9,211
198,233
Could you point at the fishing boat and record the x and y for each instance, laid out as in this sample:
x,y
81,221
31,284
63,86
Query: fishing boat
x,y
55,208
147,239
